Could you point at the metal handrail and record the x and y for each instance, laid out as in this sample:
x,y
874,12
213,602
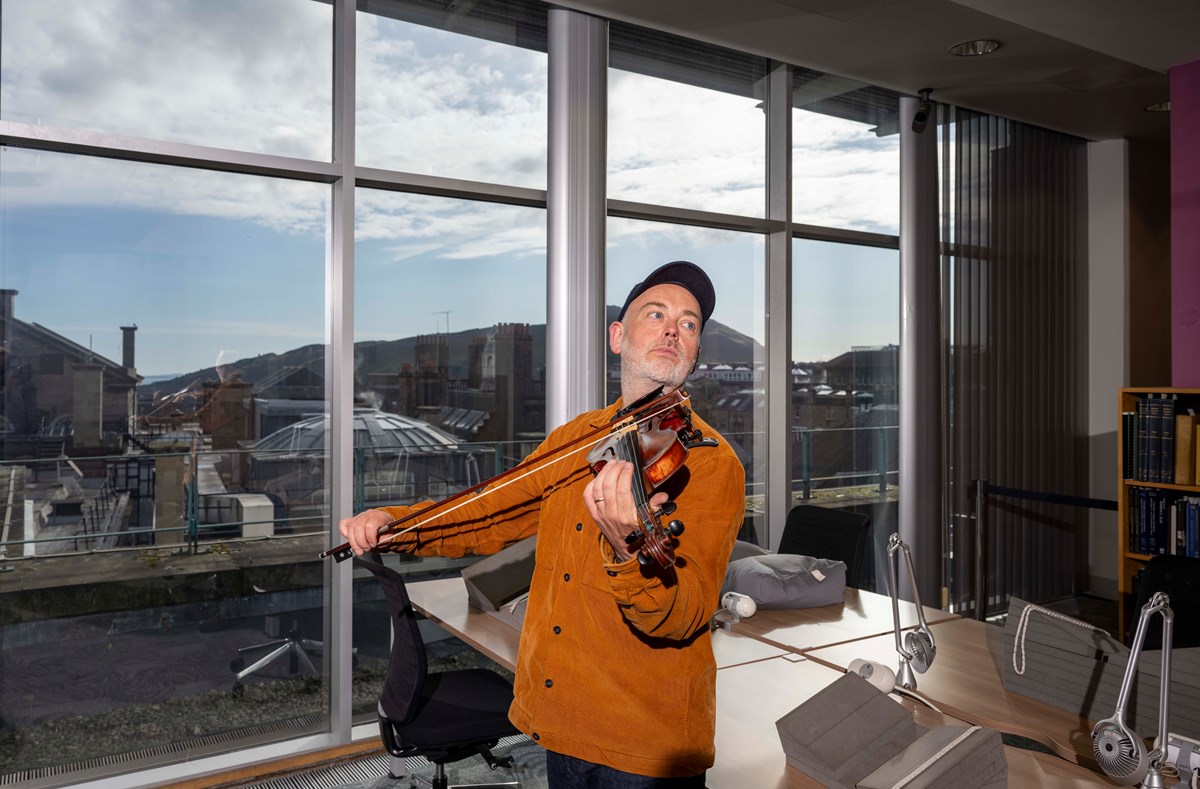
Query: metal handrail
x,y
982,488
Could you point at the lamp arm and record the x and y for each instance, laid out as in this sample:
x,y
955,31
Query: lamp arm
x,y
895,544
1164,686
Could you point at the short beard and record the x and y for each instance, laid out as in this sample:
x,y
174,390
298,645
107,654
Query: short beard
x,y
673,378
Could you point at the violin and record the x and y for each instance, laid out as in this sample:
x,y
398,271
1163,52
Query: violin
x,y
657,446
654,433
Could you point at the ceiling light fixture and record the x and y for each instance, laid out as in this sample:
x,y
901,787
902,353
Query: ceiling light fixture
x,y
968,49
1158,106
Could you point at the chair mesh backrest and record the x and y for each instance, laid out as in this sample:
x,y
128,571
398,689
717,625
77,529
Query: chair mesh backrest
x,y
1179,578
407,665
828,533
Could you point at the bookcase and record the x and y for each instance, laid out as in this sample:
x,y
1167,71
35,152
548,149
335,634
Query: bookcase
x,y
1158,499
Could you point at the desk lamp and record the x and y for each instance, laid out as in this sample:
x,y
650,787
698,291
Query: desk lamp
x,y
919,642
1120,752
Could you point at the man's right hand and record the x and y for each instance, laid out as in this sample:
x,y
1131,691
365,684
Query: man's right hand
x,y
362,531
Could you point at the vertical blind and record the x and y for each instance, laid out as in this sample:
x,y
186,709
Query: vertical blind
x,y
1013,223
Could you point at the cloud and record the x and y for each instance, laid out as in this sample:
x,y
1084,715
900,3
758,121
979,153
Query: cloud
x,y
428,101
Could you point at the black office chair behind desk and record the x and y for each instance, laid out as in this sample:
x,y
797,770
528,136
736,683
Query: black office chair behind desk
x,y
829,533
445,717
1179,578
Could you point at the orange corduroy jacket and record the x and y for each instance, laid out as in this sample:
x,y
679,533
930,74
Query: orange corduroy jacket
x,y
615,664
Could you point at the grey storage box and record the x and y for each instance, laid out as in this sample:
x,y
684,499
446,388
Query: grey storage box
x,y
850,735
499,579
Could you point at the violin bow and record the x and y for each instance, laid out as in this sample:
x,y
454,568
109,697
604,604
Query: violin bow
x,y
638,411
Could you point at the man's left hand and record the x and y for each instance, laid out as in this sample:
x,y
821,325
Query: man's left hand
x,y
610,501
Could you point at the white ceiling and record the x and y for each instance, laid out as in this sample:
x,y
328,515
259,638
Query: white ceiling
x,y
1085,67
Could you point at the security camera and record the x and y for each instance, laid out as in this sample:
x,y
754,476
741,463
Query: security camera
x,y
924,110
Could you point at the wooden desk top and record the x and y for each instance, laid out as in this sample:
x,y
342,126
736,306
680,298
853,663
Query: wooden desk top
x,y
751,697
444,601
862,615
967,674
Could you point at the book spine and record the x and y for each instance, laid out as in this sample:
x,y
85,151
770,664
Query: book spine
x,y
1166,451
1173,528
1128,444
1185,448
1189,539
1143,507
1143,438
1154,433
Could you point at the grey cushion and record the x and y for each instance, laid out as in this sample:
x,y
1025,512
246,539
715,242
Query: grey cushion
x,y
742,549
787,580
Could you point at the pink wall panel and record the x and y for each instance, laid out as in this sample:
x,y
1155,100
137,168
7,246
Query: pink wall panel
x,y
1185,225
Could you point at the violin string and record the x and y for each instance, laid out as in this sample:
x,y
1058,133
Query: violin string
x,y
625,429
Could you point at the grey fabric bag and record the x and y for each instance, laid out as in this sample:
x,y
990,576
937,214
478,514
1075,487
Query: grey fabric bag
x,y
785,580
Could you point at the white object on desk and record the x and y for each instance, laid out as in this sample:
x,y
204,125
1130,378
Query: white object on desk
x,y
734,607
877,674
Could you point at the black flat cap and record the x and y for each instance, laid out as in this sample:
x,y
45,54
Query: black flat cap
x,y
686,275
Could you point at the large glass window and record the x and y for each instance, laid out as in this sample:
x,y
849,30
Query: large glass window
x,y
450,332
456,91
845,154
686,124
727,385
450,358
156,323
845,381
252,76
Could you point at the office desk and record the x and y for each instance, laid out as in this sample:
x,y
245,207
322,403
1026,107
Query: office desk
x,y
444,601
861,615
967,674
757,684
751,697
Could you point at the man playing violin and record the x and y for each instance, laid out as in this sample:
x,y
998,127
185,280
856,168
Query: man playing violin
x,y
615,677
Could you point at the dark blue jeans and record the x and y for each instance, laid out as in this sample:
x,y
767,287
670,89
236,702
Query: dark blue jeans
x,y
567,772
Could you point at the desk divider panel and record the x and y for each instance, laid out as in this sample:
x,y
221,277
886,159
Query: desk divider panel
x,y
852,735
1078,668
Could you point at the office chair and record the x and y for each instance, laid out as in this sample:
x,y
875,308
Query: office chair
x,y
828,533
294,645
1179,578
445,717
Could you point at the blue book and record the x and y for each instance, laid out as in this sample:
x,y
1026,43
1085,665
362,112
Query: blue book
x,y
1193,527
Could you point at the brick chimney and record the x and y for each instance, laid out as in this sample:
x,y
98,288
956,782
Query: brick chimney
x,y
127,346
6,314
6,302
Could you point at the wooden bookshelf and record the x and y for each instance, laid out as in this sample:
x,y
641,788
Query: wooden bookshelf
x,y
1129,561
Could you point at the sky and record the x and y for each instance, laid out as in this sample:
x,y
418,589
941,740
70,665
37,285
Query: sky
x,y
214,266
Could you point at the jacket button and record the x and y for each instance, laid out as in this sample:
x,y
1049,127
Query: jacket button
x,y
611,572
549,683
578,527
566,576
557,630
537,736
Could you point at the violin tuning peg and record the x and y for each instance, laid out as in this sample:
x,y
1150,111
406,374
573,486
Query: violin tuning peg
x,y
632,538
675,528
644,560
667,508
